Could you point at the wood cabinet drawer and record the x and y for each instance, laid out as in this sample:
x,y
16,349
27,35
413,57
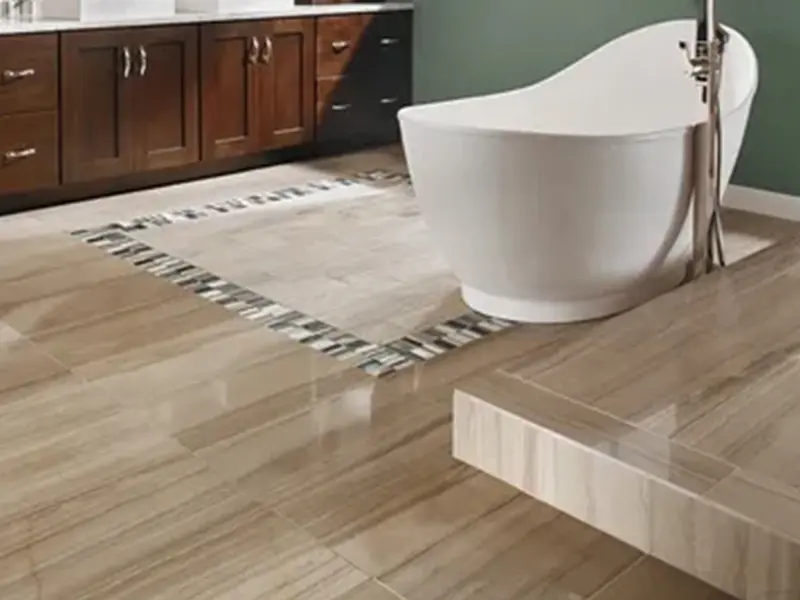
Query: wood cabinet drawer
x,y
339,42
28,152
28,73
354,110
363,44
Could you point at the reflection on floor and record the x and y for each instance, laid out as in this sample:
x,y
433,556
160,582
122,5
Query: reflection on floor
x,y
155,445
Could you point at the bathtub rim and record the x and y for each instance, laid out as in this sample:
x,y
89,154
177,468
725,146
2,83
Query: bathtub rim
x,y
413,115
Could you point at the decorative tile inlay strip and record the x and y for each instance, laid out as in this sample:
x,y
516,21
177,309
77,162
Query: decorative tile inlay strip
x,y
376,359
369,181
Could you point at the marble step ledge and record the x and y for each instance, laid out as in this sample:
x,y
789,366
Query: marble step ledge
x,y
735,530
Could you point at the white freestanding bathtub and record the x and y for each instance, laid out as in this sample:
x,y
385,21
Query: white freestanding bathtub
x,y
569,199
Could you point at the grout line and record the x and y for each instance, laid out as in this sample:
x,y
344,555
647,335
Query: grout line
x,y
385,586
321,543
611,582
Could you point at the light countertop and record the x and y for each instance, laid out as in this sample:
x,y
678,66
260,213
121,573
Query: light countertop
x,y
55,25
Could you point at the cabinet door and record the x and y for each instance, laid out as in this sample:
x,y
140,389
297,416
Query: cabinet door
x,y
286,100
166,97
96,104
229,74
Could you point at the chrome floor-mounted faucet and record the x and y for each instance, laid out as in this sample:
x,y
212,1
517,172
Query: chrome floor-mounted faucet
x,y
705,61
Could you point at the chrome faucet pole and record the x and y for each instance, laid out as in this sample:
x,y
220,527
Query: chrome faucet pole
x,y
707,242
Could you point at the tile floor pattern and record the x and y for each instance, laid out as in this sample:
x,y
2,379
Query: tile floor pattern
x,y
123,239
672,427
156,446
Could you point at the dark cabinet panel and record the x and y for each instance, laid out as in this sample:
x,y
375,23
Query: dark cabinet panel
x,y
287,99
258,86
28,151
364,76
229,65
97,104
166,99
129,101
28,73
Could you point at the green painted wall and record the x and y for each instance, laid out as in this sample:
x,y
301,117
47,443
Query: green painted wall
x,y
466,47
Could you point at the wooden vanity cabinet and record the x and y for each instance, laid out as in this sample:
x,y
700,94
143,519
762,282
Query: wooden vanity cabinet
x,y
129,101
29,149
257,86
363,76
109,109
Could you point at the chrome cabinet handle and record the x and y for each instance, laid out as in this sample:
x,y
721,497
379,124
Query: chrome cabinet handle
x,y
387,41
340,45
12,75
340,107
267,56
15,155
127,62
386,101
142,61
254,48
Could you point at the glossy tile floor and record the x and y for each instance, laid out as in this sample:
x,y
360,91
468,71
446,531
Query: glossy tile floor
x,y
341,260
154,445
676,422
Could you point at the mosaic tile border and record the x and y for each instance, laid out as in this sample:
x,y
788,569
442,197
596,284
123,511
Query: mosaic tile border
x,y
376,179
375,359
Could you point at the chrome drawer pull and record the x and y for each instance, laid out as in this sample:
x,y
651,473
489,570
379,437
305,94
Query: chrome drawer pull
x,y
12,75
127,62
340,45
255,46
15,155
340,107
386,101
389,41
142,61
266,58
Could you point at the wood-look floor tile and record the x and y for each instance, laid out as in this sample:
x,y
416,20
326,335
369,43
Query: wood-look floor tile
x,y
764,500
83,345
533,341
384,545
395,504
162,346
748,233
641,450
24,368
281,461
8,333
370,590
250,395
58,271
369,476
87,303
98,505
668,363
752,420
25,257
654,580
522,549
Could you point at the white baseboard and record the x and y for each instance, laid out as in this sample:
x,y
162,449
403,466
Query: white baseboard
x,y
763,202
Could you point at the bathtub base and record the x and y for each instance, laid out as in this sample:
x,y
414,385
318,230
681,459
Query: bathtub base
x,y
568,311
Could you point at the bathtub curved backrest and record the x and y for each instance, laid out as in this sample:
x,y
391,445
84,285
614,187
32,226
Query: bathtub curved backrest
x,y
638,83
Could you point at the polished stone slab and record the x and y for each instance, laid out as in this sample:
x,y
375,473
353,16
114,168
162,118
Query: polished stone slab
x,y
672,427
